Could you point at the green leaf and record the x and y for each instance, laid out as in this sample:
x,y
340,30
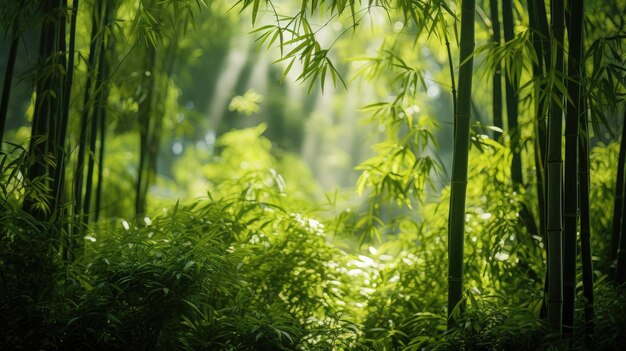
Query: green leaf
x,y
255,10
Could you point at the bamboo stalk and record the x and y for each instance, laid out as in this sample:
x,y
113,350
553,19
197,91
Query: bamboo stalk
x,y
145,132
98,105
100,182
110,11
8,79
555,178
619,198
41,136
585,223
451,68
456,224
536,10
80,189
620,268
74,240
571,164
497,76
511,98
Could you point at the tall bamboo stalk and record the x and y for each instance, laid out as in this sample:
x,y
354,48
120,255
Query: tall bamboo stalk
x,y
100,182
539,28
572,118
618,199
46,102
100,96
451,68
145,119
161,88
91,158
102,123
456,224
541,39
497,75
73,241
585,222
80,160
540,118
86,122
8,80
511,97
555,176
109,13
620,250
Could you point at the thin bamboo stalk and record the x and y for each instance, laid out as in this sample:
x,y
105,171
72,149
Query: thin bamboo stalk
x,y
511,97
80,190
110,10
145,132
497,76
451,68
620,267
8,80
536,9
618,199
456,224
98,106
585,223
100,182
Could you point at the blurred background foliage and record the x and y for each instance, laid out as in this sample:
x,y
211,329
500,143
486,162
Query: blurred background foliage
x,y
285,211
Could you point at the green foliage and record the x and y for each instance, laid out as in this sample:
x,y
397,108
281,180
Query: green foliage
x,y
246,104
246,164
610,316
251,257
491,325
252,269
603,160
229,273
29,264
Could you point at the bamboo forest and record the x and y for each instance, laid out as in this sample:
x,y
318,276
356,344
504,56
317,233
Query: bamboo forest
x,y
313,175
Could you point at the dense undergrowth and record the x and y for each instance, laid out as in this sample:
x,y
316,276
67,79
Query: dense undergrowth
x,y
256,265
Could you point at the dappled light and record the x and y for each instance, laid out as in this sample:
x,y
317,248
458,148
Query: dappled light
x,y
313,175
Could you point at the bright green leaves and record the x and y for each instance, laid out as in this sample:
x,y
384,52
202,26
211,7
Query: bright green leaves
x,y
247,3
246,166
147,26
300,45
308,7
401,160
395,173
232,272
247,103
427,16
14,186
298,39
517,54
157,22
402,166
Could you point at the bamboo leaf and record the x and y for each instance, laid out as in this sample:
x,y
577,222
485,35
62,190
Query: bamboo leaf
x,y
255,10
286,72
